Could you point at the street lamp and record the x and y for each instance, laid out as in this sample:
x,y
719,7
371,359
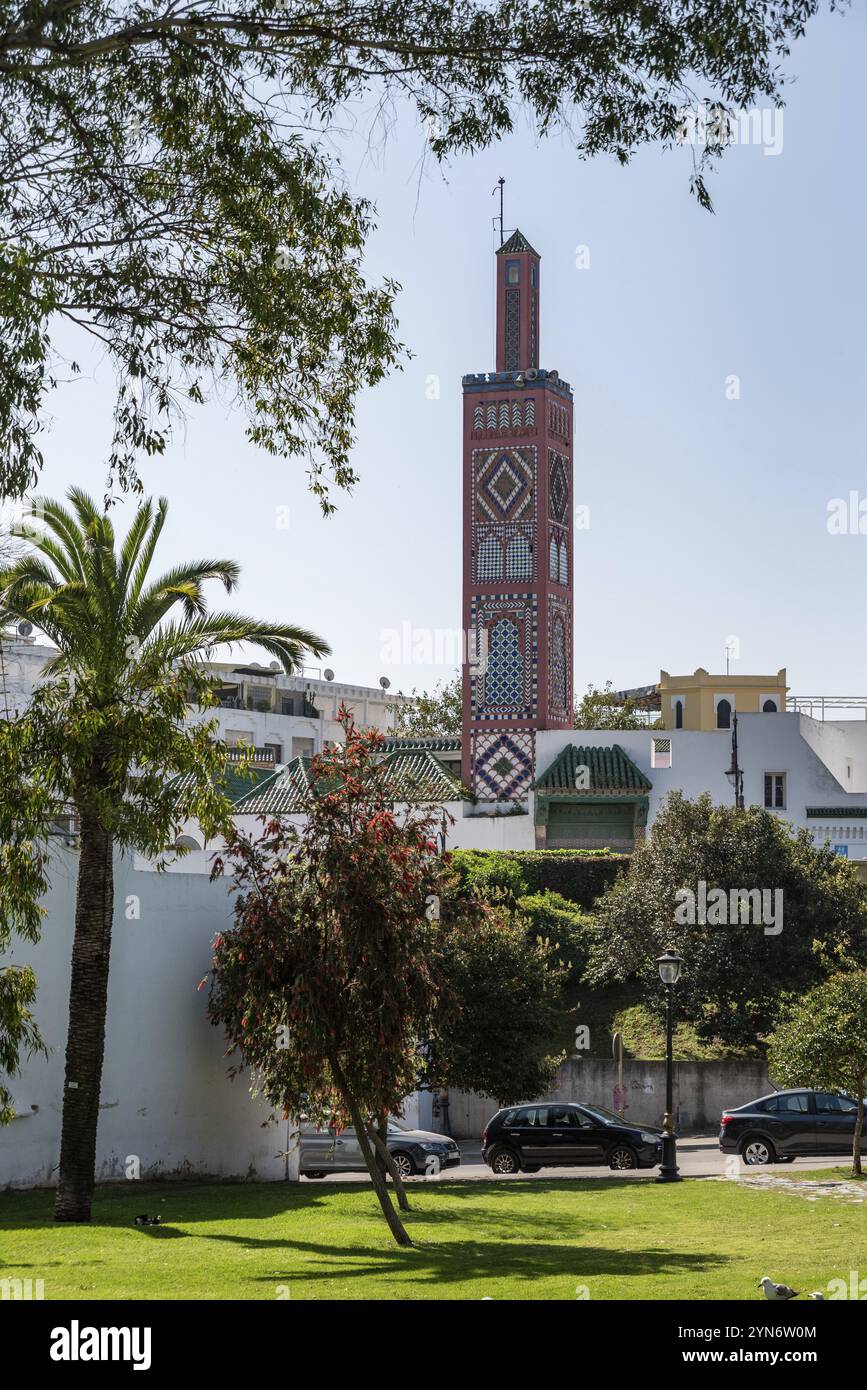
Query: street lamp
x,y
735,774
670,966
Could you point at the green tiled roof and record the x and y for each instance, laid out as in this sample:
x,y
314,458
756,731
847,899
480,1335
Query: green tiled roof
x,y
415,775
281,793
233,783
419,776
448,743
516,244
612,773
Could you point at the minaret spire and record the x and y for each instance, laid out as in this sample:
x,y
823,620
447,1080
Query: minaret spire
x,y
517,305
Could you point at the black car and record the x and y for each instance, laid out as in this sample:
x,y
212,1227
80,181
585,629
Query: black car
x,y
529,1137
788,1125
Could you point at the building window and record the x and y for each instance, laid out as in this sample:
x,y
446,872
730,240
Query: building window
x,y
513,272
678,714
723,714
490,563
769,707
302,748
564,564
775,791
553,561
660,752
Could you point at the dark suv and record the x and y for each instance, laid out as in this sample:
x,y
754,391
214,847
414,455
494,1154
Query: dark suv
x,y
529,1137
789,1125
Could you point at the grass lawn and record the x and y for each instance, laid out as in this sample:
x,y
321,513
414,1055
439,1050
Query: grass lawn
x,y
504,1240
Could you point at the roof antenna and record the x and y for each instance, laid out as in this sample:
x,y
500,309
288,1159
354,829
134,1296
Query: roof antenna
x,y
501,183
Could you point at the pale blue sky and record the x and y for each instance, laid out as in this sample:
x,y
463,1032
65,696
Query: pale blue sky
x,y
708,515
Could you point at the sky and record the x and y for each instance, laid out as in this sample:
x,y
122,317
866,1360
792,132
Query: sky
x,y
708,498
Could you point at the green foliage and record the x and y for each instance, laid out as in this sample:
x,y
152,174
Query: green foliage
x,y
599,710
170,187
328,977
580,875
822,1043
505,988
736,976
435,714
105,734
567,931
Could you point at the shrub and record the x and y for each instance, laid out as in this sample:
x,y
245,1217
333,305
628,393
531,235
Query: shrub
x,y
579,875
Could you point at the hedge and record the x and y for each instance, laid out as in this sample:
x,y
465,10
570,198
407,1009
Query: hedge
x,y
582,875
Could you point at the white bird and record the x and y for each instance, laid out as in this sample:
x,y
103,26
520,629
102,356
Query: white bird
x,y
777,1293
819,1297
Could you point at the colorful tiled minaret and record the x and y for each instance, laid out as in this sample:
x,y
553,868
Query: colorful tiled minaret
x,y
517,608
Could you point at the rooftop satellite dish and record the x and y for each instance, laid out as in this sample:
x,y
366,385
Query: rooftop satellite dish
x,y
24,628
328,674
384,682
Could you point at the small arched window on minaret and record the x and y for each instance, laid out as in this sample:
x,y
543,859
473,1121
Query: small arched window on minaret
x,y
723,715
678,714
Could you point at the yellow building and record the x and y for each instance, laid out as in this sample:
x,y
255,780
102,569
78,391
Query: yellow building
x,y
703,701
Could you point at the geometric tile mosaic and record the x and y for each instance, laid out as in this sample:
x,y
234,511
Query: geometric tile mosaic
x,y
504,677
559,658
558,486
504,484
503,764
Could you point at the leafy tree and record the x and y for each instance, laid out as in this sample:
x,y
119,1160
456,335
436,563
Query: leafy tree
x,y
822,1043
106,736
736,975
599,710
501,1035
430,715
25,811
330,974
169,189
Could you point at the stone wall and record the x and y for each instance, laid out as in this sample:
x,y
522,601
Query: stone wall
x,y
702,1090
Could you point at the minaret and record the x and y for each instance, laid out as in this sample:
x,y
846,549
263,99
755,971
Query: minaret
x,y
517,592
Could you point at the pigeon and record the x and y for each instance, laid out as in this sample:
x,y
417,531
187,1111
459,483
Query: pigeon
x,y
819,1297
777,1293
147,1221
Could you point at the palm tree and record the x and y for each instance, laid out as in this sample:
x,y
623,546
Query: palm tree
x,y
123,640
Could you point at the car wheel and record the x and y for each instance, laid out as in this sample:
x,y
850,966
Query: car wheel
x,y
758,1152
314,1175
504,1160
404,1164
621,1156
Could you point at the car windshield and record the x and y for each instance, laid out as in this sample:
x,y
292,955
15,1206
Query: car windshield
x,y
399,1125
599,1112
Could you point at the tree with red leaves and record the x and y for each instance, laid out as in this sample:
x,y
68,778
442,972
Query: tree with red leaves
x,y
331,972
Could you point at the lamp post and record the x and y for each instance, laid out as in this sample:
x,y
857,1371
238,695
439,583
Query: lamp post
x,y
735,774
670,966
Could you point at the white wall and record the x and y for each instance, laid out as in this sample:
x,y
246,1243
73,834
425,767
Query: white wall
x,y
165,1095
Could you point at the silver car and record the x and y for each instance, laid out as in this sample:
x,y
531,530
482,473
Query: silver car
x,y
415,1151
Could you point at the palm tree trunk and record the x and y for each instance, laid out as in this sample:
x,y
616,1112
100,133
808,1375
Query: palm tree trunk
x,y
85,1045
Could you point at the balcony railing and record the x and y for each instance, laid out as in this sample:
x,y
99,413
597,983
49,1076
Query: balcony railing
x,y
251,754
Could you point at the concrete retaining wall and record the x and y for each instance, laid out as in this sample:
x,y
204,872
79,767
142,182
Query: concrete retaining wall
x,y
702,1090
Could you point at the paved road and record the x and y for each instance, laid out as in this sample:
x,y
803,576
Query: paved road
x,y
698,1156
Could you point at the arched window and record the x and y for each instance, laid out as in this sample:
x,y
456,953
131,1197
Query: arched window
x,y
678,714
505,666
564,564
769,707
519,558
553,561
490,562
723,715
